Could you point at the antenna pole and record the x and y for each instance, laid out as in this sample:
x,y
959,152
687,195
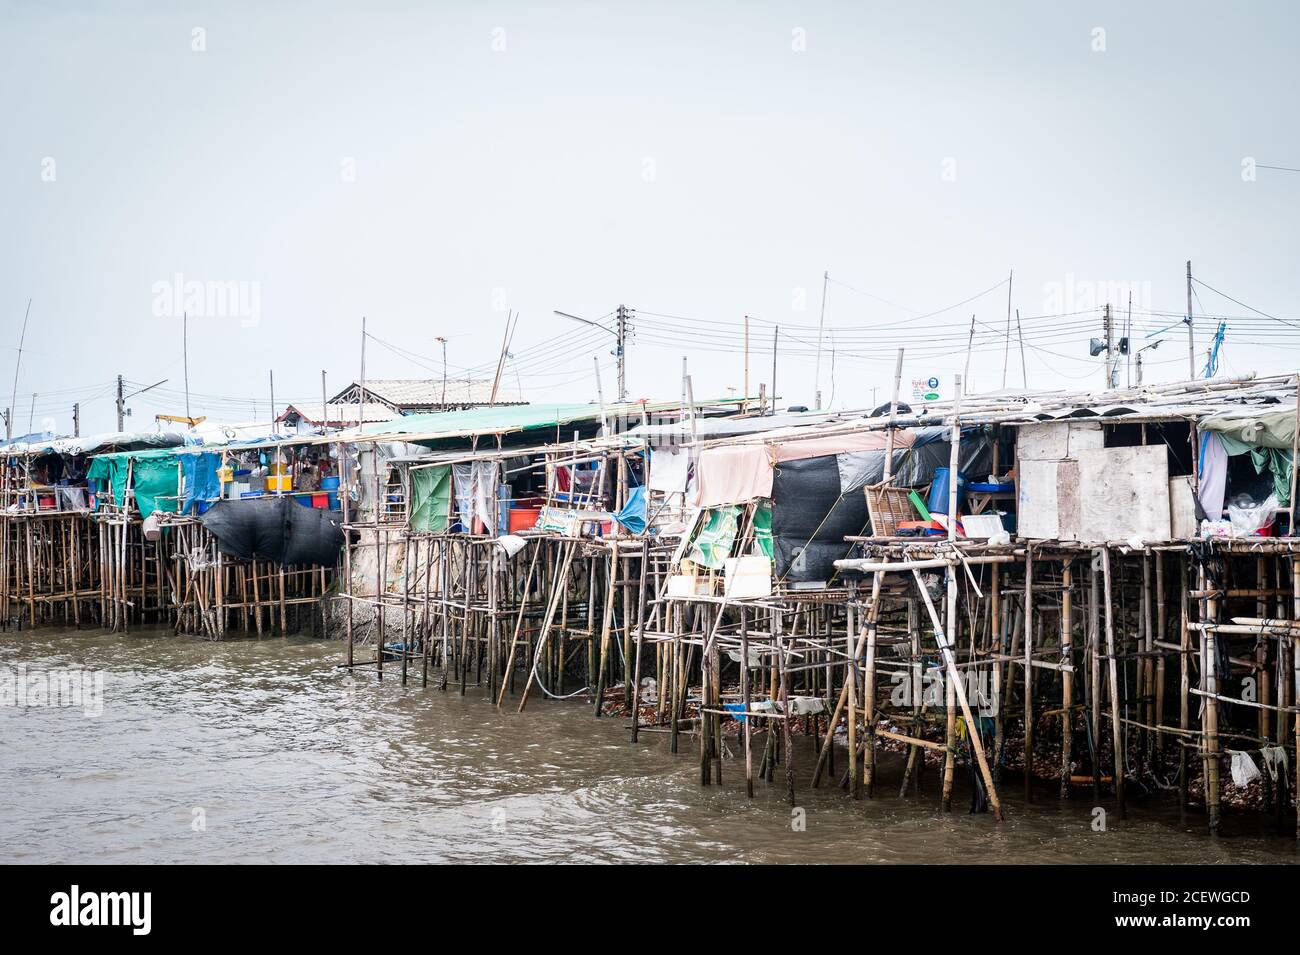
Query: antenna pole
x,y
13,400
744,402
821,322
361,393
1024,369
1006,348
776,334
185,357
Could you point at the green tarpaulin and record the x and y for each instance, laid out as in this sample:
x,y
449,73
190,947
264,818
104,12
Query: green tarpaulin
x,y
1265,457
430,498
712,545
500,419
153,476
763,530
1255,427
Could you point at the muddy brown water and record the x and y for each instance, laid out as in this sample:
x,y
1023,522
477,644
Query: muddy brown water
x,y
266,751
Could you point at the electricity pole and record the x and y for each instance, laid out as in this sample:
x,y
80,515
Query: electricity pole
x,y
621,335
76,420
121,400
1191,338
620,332
744,402
1109,329
821,323
440,339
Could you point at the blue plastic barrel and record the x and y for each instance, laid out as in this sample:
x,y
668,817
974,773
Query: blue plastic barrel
x,y
938,502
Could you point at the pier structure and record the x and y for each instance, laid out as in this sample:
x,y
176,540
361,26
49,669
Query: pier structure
x,y
1111,612
1086,628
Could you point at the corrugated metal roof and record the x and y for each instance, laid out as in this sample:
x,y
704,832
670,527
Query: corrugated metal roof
x,y
431,392
503,419
339,413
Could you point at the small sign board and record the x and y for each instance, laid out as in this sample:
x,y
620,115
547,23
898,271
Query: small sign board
x,y
926,389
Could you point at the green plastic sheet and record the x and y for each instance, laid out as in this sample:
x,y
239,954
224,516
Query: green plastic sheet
x,y
763,530
430,498
1277,461
154,479
712,545
153,476
1253,427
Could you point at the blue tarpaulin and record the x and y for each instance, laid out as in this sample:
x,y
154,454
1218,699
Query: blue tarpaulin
x,y
199,476
633,515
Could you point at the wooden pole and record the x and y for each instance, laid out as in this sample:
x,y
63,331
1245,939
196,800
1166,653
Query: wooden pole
x,y
954,680
1067,675
1116,725
1029,673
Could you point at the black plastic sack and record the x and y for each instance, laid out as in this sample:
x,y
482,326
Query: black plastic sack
x,y
275,529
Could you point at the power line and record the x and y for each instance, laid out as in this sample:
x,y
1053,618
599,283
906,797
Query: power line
x,y
1243,304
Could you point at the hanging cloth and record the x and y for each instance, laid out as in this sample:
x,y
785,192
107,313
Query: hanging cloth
x,y
475,491
669,471
1213,474
763,529
1275,762
712,545
633,514
430,498
1244,770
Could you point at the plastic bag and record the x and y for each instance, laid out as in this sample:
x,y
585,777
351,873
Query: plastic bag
x,y
1247,517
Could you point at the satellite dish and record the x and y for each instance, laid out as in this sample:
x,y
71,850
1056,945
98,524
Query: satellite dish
x,y
1096,346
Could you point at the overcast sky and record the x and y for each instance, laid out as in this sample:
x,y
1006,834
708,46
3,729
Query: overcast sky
x,y
432,166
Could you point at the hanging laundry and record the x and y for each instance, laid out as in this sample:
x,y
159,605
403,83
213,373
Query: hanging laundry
x,y
1244,770
735,475
669,471
1214,475
475,485
1275,761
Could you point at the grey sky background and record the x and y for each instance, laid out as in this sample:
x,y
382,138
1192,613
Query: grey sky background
x,y
431,165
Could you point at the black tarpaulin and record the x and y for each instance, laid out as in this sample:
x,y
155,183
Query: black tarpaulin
x,y
810,518
275,529
914,466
